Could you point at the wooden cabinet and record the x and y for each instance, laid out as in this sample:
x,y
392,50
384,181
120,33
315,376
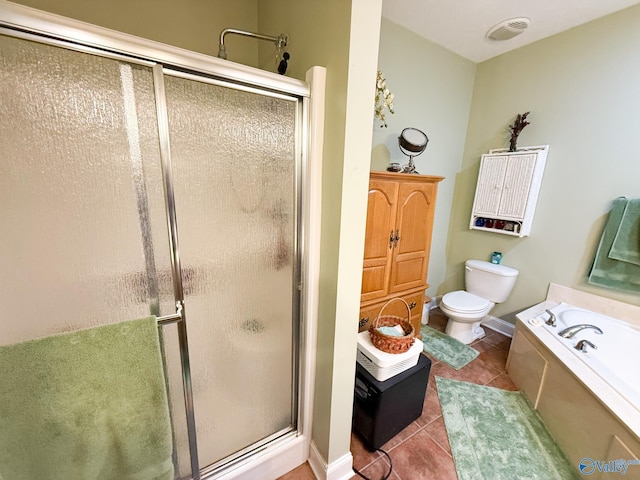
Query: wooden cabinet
x,y
507,190
397,245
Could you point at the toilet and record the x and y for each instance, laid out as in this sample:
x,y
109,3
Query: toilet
x,y
486,284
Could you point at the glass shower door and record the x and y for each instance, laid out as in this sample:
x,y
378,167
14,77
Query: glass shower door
x,y
234,174
84,240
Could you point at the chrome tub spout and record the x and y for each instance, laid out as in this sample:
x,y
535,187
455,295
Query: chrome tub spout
x,y
571,331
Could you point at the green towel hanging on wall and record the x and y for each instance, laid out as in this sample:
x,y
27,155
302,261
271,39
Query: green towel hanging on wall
x,y
626,244
607,271
86,405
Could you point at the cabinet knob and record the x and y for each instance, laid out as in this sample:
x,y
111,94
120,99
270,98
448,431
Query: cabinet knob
x,y
412,305
363,322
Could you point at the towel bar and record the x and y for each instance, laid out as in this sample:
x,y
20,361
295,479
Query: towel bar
x,y
174,318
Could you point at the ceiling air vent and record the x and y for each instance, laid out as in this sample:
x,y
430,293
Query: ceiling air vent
x,y
508,29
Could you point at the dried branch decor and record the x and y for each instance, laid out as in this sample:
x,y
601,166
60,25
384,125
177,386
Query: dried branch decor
x,y
515,129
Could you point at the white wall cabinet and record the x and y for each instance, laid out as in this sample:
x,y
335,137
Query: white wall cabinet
x,y
507,190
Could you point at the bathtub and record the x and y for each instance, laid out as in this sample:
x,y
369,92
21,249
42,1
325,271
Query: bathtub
x,y
617,357
589,401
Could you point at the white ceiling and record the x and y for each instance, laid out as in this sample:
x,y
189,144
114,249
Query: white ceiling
x,y
461,25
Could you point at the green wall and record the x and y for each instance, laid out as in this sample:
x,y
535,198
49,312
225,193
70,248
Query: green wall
x,y
582,88
341,35
191,24
432,88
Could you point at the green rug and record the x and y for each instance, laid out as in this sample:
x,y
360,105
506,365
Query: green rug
x,y
447,349
495,435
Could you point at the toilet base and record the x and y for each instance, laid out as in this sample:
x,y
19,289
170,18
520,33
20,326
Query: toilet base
x,y
464,332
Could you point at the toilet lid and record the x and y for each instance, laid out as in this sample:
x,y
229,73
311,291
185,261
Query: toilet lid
x,y
463,301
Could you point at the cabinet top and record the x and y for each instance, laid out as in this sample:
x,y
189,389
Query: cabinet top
x,y
523,150
406,177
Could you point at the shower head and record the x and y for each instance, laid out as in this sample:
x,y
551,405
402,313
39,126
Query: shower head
x,y
282,66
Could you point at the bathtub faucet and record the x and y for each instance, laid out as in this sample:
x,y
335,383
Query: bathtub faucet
x,y
552,318
582,346
571,331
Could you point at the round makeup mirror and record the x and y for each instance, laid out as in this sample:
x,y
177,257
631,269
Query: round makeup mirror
x,y
412,142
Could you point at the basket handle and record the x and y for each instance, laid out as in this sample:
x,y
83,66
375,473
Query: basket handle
x,y
375,324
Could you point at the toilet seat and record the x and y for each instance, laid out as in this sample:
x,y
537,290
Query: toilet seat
x,y
464,302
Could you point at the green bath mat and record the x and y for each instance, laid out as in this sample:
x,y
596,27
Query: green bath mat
x,y
447,349
495,435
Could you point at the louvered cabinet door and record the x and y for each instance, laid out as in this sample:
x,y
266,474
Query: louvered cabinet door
x,y
490,183
381,218
516,187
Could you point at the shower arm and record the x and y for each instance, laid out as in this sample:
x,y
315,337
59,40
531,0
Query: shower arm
x,y
280,41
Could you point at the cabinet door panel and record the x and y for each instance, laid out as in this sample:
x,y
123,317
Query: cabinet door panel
x,y
408,270
490,181
517,185
526,366
381,218
410,261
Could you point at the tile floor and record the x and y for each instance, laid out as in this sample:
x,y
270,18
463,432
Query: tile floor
x,y
421,451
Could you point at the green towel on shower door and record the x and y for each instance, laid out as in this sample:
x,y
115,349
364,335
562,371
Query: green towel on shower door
x,y
86,405
608,272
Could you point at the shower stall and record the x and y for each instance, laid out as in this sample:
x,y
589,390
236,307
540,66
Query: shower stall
x,y
139,179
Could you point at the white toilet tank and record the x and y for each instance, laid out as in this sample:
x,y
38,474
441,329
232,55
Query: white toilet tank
x,y
489,280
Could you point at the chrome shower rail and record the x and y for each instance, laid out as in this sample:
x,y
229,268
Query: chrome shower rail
x,y
280,41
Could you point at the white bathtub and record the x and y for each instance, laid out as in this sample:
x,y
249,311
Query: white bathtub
x,y
617,357
612,371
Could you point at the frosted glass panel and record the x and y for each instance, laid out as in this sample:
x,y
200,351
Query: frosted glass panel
x,y
72,249
234,170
